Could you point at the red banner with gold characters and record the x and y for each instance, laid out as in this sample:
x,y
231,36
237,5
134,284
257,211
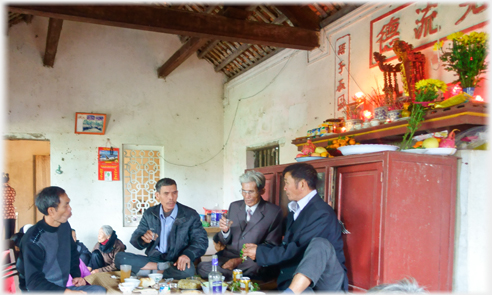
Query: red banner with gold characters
x,y
108,164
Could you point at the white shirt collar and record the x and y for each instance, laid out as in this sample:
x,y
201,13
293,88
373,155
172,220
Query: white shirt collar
x,y
253,208
302,203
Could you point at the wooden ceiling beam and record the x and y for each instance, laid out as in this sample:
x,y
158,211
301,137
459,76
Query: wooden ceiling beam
x,y
300,16
187,49
172,21
194,43
54,31
180,56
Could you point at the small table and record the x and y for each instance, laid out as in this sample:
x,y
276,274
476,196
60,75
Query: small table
x,y
211,230
105,280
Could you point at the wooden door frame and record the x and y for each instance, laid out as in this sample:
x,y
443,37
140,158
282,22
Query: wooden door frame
x,y
42,178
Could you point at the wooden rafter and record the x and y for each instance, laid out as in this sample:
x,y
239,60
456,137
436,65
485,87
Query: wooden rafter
x,y
300,16
172,21
244,47
342,12
180,56
54,31
187,49
264,58
194,43
207,49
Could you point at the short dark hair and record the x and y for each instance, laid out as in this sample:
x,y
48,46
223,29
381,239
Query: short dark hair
x,y
301,171
49,197
164,182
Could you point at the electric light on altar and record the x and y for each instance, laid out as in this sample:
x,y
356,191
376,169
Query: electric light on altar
x,y
456,89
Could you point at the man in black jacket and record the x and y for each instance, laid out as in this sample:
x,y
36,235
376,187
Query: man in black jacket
x,y
85,254
312,247
170,232
48,253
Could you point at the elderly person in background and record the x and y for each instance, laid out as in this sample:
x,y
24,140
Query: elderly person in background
x,y
254,220
104,252
406,285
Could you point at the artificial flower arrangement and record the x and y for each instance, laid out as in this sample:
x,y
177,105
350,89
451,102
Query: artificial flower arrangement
x,y
426,91
466,56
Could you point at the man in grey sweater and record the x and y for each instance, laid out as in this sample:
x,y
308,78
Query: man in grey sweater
x,y
48,253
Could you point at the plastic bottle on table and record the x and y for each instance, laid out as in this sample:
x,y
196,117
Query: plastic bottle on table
x,y
215,216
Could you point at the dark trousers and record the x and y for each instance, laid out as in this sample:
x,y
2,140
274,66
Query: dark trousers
x,y
97,260
321,266
9,227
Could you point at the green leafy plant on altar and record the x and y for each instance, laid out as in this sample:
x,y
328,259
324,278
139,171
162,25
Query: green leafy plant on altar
x,y
426,91
466,56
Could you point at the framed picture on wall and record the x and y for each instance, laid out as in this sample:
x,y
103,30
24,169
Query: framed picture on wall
x,y
90,123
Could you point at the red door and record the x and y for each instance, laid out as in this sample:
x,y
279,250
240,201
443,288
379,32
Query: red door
x,y
358,206
269,194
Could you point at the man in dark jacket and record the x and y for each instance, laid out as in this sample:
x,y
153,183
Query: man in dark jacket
x,y
310,222
48,252
169,232
85,254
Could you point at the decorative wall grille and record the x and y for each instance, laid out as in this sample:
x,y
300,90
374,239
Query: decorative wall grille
x,y
268,156
143,166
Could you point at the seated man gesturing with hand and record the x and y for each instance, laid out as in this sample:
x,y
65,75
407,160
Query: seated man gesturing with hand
x,y
169,232
254,220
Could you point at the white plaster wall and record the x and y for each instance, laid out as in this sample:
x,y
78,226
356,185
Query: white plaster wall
x,y
472,235
112,70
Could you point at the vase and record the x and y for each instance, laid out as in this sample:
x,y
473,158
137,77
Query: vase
x,y
381,113
469,90
405,113
394,115
349,124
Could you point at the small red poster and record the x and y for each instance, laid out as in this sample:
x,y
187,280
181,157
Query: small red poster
x,y
108,164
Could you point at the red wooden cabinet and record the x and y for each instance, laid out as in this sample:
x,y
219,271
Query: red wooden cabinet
x,y
399,209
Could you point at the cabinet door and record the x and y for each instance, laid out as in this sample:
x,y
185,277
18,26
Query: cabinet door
x,y
358,205
269,194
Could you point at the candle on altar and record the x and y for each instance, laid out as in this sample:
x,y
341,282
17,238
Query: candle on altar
x,y
359,94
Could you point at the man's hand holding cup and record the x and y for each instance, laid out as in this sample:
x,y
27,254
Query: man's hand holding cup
x,y
224,223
